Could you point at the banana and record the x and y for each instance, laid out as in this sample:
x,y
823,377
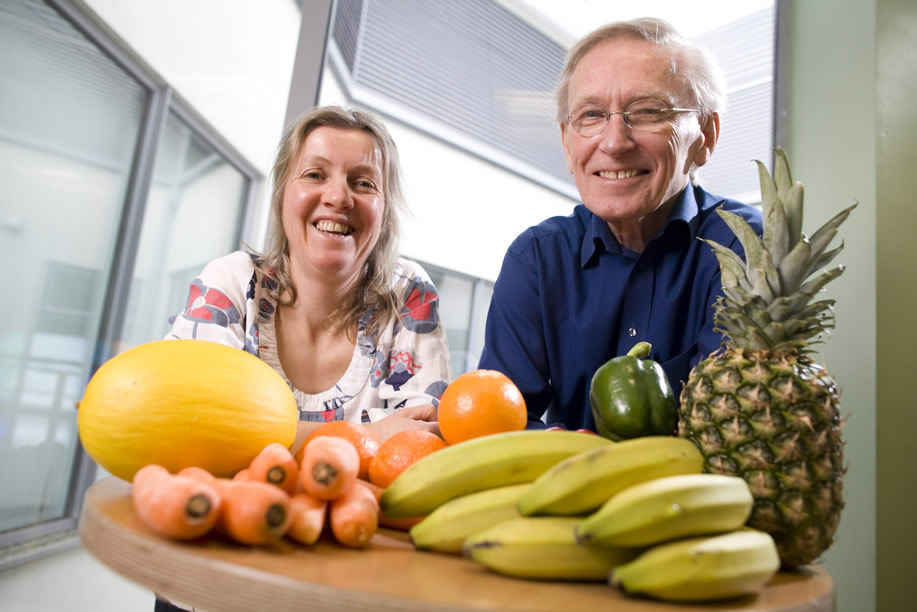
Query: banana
x,y
445,529
737,563
583,482
481,463
542,547
668,508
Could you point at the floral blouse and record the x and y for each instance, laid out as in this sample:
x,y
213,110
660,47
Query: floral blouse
x,y
407,365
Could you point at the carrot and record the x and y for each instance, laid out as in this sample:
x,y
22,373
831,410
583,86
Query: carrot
x,y
178,507
243,474
275,465
329,467
197,473
308,518
253,512
402,524
354,517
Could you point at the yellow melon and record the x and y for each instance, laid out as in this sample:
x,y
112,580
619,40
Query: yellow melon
x,y
181,403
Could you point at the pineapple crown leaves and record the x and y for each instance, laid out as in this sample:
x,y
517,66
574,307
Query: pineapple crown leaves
x,y
768,294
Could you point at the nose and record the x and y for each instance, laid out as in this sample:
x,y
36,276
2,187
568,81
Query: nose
x,y
337,194
617,135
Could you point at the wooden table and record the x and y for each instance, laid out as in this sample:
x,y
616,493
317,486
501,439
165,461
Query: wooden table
x,y
219,576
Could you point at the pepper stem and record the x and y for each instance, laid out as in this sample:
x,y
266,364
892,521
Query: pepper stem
x,y
640,350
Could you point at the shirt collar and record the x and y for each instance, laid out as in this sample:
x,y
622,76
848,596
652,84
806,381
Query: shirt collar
x,y
598,236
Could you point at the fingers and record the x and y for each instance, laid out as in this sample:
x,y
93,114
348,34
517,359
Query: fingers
x,y
426,412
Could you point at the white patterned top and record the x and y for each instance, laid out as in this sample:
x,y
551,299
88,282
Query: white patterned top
x,y
407,365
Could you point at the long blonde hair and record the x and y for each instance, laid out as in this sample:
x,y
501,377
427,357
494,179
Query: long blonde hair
x,y
374,292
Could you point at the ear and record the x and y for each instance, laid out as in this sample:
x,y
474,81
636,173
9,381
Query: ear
x,y
565,140
710,129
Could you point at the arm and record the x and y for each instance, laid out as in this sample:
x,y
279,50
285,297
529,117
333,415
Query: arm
x,y
514,336
216,305
414,368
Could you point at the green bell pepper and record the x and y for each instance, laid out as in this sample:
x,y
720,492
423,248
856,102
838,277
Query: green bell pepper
x,y
631,397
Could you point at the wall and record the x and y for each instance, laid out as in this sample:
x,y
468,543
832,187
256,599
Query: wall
x,y
831,144
896,217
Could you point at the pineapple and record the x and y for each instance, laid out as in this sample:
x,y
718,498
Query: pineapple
x,y
760,406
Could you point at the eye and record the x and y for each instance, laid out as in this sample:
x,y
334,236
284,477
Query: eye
x,y
312,175
365,185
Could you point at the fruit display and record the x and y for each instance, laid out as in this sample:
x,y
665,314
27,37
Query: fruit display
x,y
399,452
480,403
445,529
668,508
542,547
630,397
181,403
709,568
481,463
583,482
762,408
364,440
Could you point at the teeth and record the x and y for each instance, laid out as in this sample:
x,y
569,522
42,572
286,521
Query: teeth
x,y
620,174
333,228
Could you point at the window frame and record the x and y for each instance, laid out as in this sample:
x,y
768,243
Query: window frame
x,y
28,543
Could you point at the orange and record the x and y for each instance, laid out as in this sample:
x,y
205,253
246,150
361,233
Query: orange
x,y
480,403
364,440
400,451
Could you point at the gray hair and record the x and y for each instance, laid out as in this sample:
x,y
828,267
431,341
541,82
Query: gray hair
x,y
690,61
374,291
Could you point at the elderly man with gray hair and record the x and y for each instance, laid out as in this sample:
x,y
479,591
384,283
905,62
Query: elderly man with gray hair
x,y
639,109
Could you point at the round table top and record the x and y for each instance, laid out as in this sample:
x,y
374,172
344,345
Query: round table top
x,y
217,575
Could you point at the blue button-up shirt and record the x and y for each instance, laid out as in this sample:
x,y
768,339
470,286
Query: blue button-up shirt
x,y
569,298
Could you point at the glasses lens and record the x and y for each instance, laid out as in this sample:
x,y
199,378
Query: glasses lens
x,y
648,115
589,122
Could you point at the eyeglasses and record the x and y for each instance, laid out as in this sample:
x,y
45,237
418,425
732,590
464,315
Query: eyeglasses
x,y
643,116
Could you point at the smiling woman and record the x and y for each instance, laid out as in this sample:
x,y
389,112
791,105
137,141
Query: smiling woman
x,y
330,305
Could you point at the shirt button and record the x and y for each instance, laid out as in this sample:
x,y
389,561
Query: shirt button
x,y
632,332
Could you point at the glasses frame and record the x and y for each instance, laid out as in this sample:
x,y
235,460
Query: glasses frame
x,y
625,116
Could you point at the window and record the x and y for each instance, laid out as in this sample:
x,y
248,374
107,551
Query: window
x,y
105,178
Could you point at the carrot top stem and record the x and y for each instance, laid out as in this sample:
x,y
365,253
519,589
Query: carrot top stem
x,y
324,473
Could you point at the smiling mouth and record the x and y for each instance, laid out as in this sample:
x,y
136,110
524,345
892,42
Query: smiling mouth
x,y
330,227
620,174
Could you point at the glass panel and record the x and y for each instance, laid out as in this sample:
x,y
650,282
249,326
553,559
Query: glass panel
x,y
192,216
455,310
69,123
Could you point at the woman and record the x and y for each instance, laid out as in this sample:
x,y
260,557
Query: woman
x,y
353,328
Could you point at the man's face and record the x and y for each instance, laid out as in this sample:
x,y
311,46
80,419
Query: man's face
x,y
624,176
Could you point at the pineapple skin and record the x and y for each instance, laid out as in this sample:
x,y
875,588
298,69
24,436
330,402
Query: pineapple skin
x,y
772,418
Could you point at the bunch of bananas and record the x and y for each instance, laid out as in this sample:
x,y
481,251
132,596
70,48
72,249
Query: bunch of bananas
x,y
571,506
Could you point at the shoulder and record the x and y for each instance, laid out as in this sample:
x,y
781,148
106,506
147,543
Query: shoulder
x,y
407,271
559,232
712,225
238,262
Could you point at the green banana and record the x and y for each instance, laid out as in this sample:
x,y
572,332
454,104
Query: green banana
x,y
445,529
542,547
737,563
481,463
668,508
583,482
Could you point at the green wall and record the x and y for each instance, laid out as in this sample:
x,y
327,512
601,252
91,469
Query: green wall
x,y
896,217
831,141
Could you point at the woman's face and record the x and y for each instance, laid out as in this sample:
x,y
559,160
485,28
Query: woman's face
x,y
333,204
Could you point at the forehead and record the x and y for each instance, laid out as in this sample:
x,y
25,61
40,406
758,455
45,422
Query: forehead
x,y
345,147
623,69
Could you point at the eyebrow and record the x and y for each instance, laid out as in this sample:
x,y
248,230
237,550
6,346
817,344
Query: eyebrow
x,y
662,96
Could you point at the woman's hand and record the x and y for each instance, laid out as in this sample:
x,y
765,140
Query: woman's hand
x,y
413,417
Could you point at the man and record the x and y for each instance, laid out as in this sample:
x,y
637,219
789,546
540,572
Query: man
x,y
639,110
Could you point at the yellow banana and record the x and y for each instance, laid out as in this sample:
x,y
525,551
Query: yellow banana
x,y
583,482
668,508
445,529
542,547
737,563
481,463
